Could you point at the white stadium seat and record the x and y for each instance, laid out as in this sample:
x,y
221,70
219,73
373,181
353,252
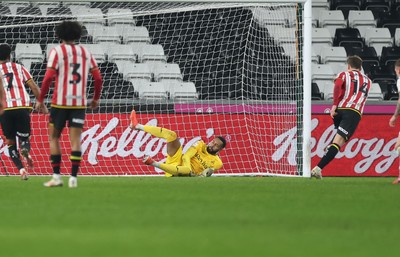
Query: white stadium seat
x,y
332,20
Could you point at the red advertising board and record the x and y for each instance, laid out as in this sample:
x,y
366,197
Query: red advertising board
x,y
111,148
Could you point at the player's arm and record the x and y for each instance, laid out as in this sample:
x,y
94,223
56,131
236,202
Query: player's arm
x,y
48,79
36,92
337,91
98,83
209,171
1,95
393,119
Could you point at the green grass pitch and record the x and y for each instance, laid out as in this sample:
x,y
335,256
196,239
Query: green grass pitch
x,y
190,217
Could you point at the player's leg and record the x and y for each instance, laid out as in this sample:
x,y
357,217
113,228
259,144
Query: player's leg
x,y
56,126
8,124
24,134
397,148
173,165
170,136
346,125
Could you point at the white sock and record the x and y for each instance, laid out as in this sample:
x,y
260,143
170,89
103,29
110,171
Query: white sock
x,y
139,127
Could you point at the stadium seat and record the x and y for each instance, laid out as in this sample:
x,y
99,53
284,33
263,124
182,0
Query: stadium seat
x,y
366,53
382,73
183,90
121,52
58,11
315,92
333,54
150,52
362,20
375,92
390,55
132,70
389,90
44,6
390,20
4,10
348,36
153,90
376,5
135,34
321,37
106,35
378,38
332,20
397,37
120,16
326,89
338,67
315,17
321,73
91,18
346,6
320,4
28,53
15,5
315,58
97,51
167,71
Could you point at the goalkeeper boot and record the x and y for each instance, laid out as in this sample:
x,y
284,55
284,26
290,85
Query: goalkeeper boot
x,y
148,160
55,181
316,173
72,182
134,121
27,157
24,174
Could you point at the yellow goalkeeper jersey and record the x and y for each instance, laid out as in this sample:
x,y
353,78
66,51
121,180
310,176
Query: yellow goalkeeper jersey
x,y
201,159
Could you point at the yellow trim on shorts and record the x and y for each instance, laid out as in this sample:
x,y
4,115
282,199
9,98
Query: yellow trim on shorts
x,y
68,107
352,109
18,107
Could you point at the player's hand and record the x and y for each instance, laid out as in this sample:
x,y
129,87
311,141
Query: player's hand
x,y
40,107
333,112
94,104
392,121
207,172
1,108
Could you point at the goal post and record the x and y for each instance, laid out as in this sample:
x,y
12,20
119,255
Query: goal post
x,y
239,69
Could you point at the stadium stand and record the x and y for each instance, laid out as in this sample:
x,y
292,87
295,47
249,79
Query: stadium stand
x,y
368,28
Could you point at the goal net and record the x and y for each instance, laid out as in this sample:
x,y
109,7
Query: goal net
x,y
201,69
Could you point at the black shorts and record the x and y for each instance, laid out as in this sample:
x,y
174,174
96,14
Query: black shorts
x,y
16,122
59,117
346,122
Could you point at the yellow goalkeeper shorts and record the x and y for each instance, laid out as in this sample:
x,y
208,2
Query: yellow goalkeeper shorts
x,y
176,159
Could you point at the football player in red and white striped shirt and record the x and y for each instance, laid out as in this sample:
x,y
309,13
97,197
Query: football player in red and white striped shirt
x,y
349,96
17,106
70,64
392,121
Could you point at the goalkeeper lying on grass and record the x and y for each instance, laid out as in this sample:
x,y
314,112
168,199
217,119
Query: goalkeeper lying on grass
x,y
199,160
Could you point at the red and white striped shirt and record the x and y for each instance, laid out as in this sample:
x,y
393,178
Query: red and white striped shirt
x,y
355,88
15,77
73,64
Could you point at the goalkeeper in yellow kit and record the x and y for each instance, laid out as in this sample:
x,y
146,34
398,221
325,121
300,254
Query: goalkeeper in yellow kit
x,y
199,160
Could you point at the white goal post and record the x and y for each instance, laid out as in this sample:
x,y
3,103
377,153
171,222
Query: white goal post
x,y
239,69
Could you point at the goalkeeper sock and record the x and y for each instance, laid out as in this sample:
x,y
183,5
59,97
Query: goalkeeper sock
x,y
14,154
330,154
174,169
167,134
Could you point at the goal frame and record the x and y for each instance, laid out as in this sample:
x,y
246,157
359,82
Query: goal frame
x,y
304,133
